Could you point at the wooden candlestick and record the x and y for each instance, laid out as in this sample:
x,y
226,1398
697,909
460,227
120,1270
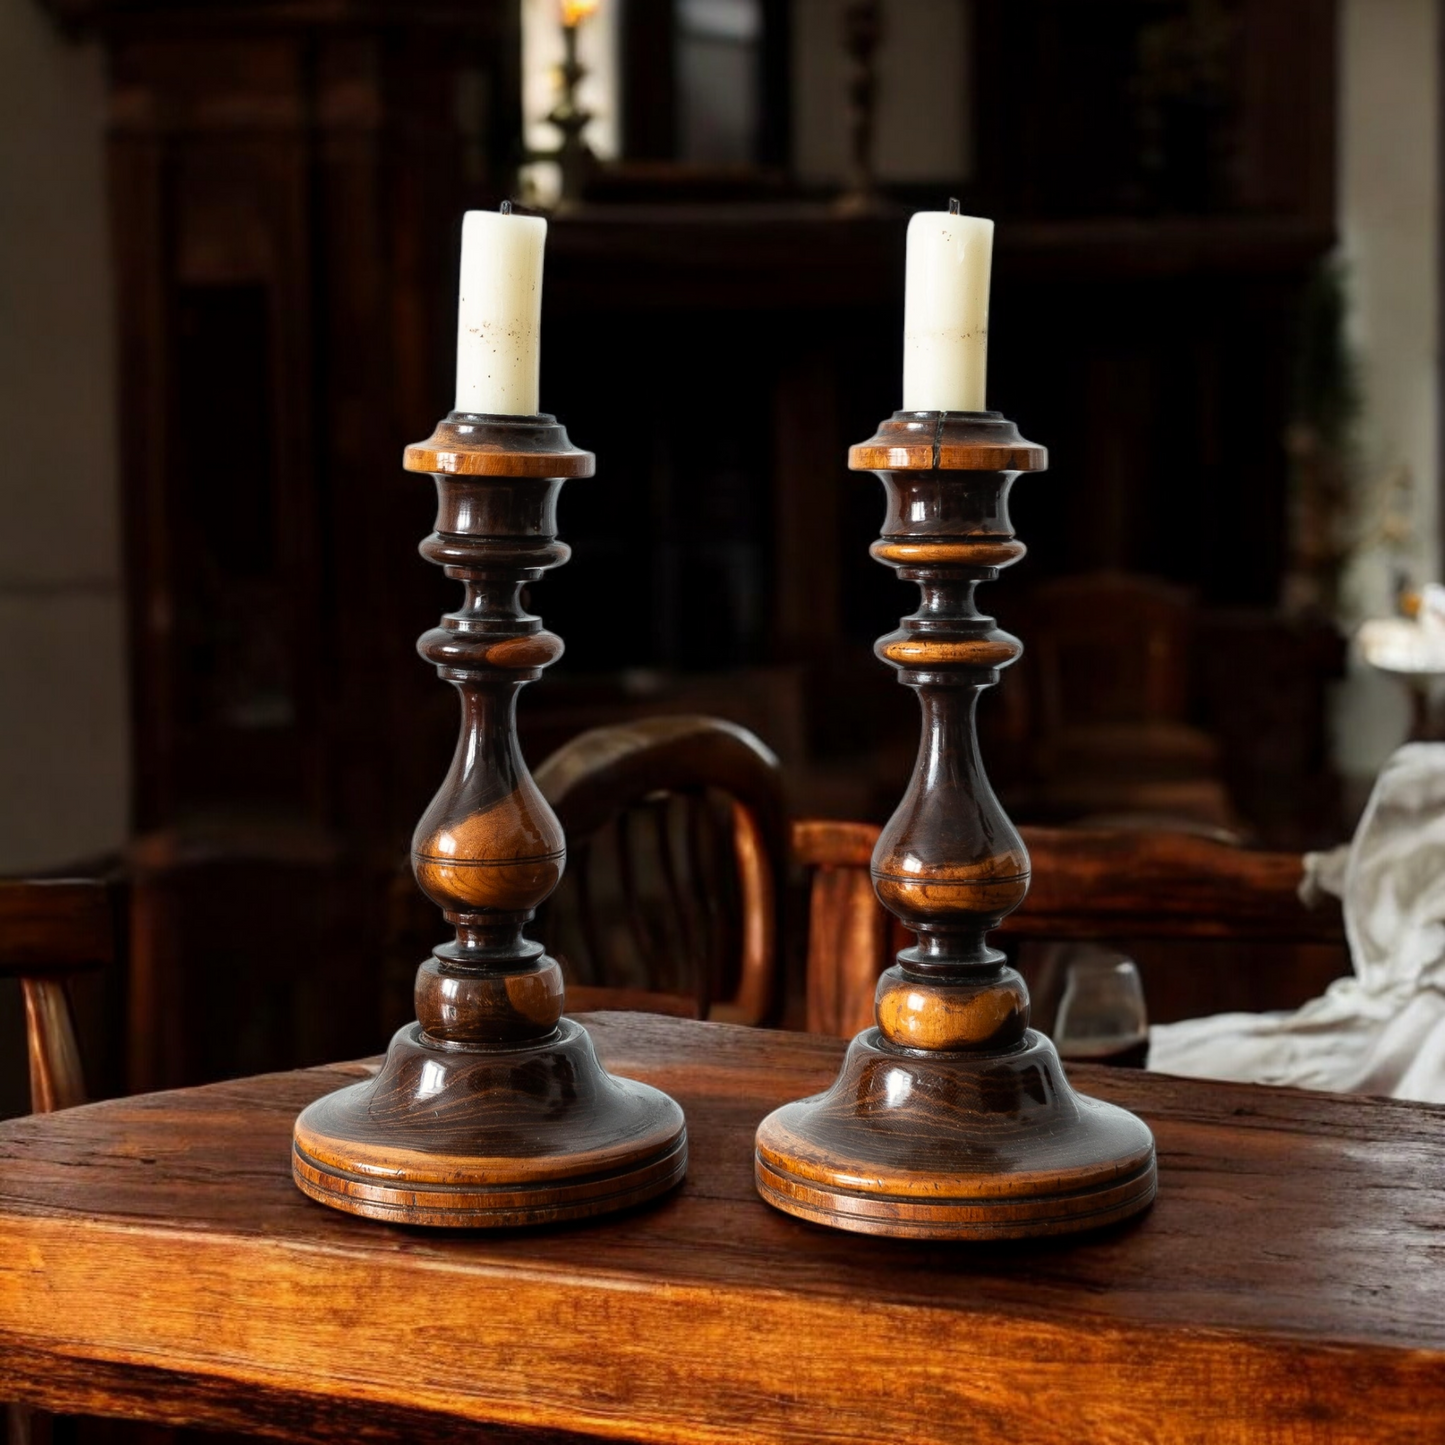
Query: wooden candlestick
x,y
491,1109
952,1119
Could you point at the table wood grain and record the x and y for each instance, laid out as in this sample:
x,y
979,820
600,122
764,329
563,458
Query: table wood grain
x,y
1289,1284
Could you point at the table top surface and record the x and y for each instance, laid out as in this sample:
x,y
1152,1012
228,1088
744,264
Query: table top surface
x,y
156,1260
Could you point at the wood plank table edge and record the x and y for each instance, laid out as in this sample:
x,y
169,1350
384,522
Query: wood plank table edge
x,y
695,1341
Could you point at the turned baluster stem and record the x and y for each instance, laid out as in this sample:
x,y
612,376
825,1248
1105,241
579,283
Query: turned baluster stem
x,y
488,850
949,864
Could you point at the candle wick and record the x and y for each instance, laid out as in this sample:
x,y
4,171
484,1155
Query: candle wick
x,y
953,205
507,207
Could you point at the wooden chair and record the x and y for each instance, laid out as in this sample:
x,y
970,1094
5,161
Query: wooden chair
x,y
50,930
286,983
676,855
1116,886
1108,669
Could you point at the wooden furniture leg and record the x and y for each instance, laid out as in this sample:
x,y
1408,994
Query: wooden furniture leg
x,y
951,1118
52,929
491,1109
56,1078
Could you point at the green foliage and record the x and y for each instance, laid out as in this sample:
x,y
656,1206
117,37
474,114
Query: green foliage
x,y
1327,389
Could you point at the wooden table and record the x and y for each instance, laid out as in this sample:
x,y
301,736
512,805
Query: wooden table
x,y
1289,1284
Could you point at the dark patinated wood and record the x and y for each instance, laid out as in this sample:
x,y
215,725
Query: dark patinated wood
x,y
618,786
55,925
50,929
584,998
952,1119
1098,883
1088,884
1289,1284
1109,676
849,937
492,1108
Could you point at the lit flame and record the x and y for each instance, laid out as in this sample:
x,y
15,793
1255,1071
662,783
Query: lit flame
x,y
574,12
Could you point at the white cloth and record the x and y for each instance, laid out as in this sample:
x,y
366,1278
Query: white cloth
x,y
1415,647
1382,1030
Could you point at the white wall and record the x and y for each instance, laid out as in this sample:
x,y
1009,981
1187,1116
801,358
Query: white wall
x,y
63,743
1389,227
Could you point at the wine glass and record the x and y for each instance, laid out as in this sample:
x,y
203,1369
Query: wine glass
x,y
1102,1019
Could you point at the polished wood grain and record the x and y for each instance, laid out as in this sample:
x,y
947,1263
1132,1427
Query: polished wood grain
x,y
583,998
930,441
1098,883
951,1119
466,445
848,945
1087,884
57,1080
1289,1284
484,1137
651,792
491,1109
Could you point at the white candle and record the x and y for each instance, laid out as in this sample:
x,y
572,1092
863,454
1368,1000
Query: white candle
x,y
945,312
499,313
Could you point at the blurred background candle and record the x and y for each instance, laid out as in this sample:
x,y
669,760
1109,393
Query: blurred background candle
x,y
945,312
499,313
574,12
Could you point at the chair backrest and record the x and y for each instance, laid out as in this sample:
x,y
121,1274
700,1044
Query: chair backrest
x,y
1109,647
51,929
677,847
1088,884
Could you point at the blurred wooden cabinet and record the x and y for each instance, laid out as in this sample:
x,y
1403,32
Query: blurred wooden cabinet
x,y
287,182
286,186
1157,107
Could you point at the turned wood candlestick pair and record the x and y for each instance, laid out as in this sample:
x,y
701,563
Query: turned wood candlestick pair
x,y
950,1119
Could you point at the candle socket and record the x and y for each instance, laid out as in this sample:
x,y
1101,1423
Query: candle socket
x,y
952,1119
491,1109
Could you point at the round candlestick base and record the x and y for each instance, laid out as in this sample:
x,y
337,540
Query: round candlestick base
x,y
944,1145
476,1139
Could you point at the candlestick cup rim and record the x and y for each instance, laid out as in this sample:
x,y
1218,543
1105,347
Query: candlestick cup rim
x,y
480,444
970,441
503,418
906,414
